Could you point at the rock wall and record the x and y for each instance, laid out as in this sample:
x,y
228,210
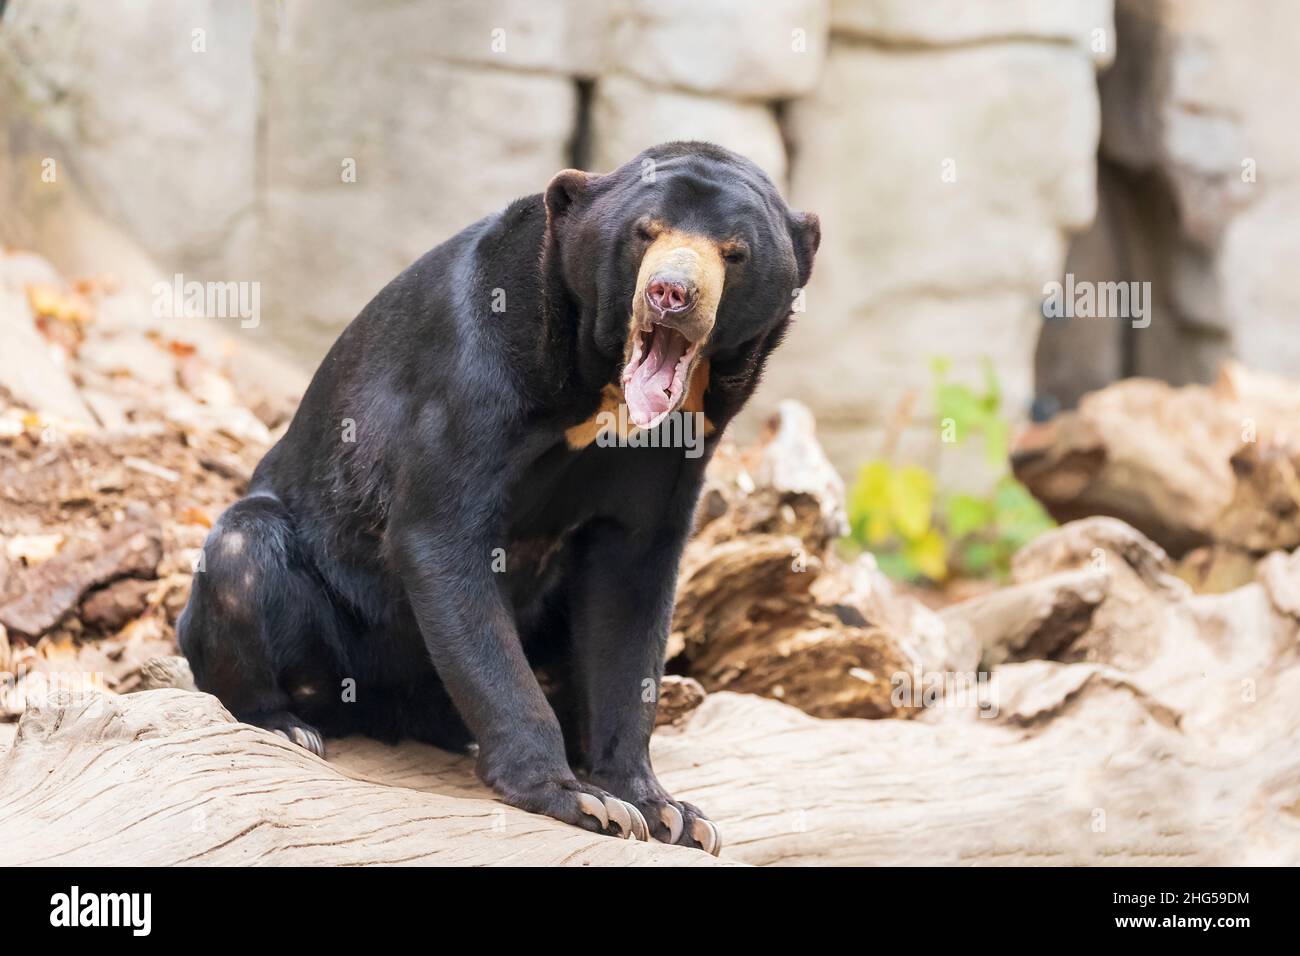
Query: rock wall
x,y
1203,172
950,154
121,147
950,150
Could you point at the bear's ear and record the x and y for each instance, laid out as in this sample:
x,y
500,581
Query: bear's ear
x,y
806,231
563,191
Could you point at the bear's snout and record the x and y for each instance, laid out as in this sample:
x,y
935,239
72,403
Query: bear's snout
x,y
669,293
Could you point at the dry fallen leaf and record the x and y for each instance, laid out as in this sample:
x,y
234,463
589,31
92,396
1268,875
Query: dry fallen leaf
x,y
66,307
195,515
33,548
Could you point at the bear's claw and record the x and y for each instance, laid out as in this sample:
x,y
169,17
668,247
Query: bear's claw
x,y
706,835
293,730
611,810
672,819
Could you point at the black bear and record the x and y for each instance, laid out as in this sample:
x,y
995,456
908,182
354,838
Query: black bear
x,y
466,502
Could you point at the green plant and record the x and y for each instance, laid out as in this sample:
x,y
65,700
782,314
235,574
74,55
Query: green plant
x,y
891,512
962,411
896,511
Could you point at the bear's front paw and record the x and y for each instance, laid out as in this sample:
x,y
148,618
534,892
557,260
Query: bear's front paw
x,y
671,821
580,804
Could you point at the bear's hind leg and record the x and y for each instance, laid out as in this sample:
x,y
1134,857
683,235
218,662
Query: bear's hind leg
x,y
258,628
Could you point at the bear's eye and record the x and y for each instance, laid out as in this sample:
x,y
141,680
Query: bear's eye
x,y
735,252
645,230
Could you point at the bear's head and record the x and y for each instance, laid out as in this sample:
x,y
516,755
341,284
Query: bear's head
x,y
685,255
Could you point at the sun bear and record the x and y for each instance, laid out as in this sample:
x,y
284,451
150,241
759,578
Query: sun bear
x,y
459,514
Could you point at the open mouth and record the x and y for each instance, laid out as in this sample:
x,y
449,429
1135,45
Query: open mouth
x,y
657,372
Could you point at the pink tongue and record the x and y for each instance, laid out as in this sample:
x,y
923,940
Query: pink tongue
x,y
647,391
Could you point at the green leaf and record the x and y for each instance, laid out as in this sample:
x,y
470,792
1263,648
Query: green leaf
x,y
911,501
967,514
979,558
929,553
961,405
894,510
869,504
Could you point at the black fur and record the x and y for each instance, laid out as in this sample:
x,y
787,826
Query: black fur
x,y
373,560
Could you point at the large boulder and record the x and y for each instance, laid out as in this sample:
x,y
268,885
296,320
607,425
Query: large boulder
x,y
628,115
557,36
723,48
943,22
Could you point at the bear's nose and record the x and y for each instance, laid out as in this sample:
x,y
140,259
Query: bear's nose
x,y
667,295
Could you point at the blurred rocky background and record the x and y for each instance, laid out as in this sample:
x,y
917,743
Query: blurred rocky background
x,y
961,156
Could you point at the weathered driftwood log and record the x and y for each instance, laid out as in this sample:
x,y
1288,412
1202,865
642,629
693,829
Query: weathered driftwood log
x,y
1279,574
1140,588
1036,620
158,673
1264,513
1190,467
765,605
176,781
1073,763
678,697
